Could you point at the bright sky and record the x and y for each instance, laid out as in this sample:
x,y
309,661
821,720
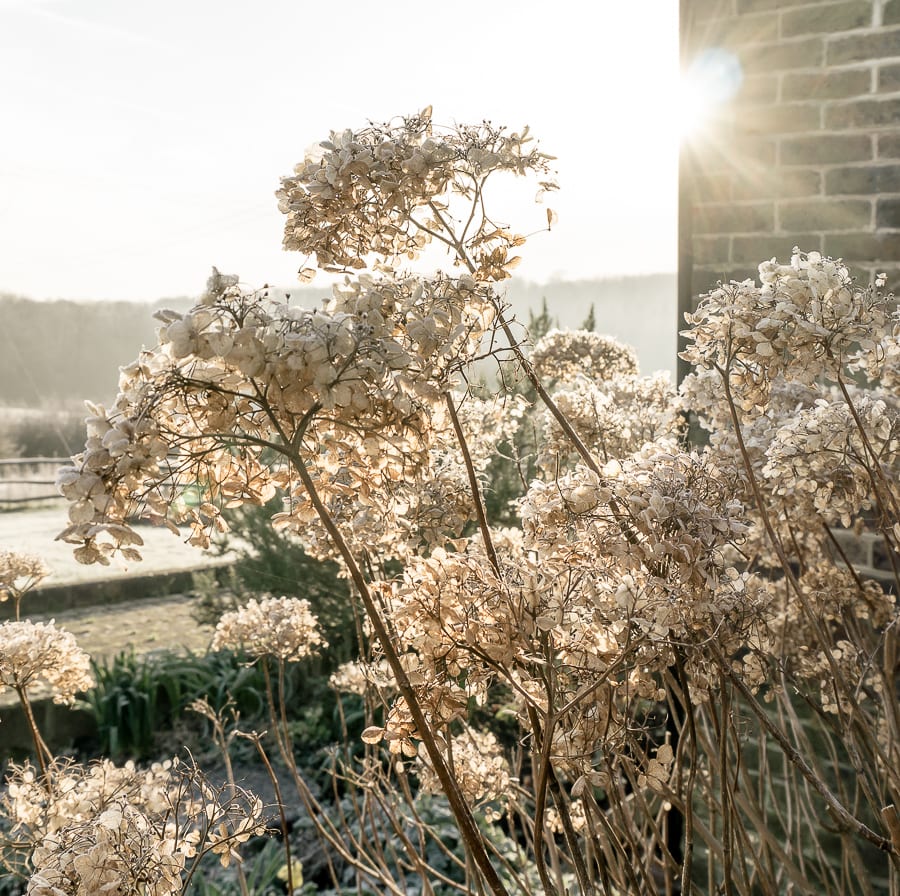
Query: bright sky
x,y
143,142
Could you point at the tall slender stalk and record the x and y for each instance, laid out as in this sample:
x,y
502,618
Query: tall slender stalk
x,y
464,818
42,752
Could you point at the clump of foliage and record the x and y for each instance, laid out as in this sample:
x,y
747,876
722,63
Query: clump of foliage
x,y
274,561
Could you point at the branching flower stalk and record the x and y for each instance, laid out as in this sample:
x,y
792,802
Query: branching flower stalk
x,y
645,605
468,828
845,817
814,780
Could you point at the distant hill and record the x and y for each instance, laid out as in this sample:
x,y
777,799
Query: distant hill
x,y
639,310
57,353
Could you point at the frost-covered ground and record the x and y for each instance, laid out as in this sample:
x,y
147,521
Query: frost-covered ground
x,y
33,532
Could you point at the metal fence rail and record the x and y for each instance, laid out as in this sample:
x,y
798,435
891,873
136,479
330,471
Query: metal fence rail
x,y
25,479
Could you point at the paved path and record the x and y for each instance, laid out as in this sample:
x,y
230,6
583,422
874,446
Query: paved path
x,y
145,625
34,531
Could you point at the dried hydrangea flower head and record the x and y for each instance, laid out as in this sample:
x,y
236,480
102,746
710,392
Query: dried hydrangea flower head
x,y
883,364
71,792
383,191
358,677
33,652
120,851
568,354
481,767
19,573
614,418
816,459
805,320
281,627
351,389
86,829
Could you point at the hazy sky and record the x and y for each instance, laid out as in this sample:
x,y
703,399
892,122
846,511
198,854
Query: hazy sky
x,y
142,142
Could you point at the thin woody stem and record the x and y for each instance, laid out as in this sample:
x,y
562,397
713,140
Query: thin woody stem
x,y
474,487
846,818
279,800
42,751
774,540
535,381
877,468
558,415
463,815
288,759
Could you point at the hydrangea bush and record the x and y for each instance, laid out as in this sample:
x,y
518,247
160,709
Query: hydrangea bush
x,y
695,674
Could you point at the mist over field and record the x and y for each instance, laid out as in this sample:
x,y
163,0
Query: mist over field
x,y
55,354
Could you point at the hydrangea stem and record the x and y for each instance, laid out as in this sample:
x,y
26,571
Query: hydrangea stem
x,y
464,818
474,487
42,751
846,818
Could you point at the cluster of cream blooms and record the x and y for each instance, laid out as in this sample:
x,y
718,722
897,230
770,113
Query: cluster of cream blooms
x,y
282,627
480,766
384,189
36,652
806,320
19,573
98,828
634,552
810,359
76,829
355,390
566,355
35,655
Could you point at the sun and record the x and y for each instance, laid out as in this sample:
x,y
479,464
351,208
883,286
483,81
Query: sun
x,y
711,79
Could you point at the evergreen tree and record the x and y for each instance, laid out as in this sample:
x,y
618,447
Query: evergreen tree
x,y
540,324
590,322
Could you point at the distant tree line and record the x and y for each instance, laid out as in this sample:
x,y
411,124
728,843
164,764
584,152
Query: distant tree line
x,y
58,353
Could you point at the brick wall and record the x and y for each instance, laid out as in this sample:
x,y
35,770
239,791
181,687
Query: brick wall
x,y
808,151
